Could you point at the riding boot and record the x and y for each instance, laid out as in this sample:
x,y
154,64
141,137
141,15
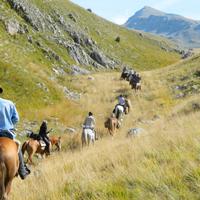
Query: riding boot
x,y
23,169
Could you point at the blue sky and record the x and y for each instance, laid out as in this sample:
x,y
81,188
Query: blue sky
x,y
119,11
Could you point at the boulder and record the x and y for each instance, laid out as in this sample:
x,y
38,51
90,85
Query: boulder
x,y
76,70
13,27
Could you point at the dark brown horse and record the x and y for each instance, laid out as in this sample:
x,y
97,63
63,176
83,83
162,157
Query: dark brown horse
x,y
9,164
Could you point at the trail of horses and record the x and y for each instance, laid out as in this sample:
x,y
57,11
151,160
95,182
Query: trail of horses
x,y
100,97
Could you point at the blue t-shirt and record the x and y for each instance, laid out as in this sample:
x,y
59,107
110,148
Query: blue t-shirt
x,y
8,115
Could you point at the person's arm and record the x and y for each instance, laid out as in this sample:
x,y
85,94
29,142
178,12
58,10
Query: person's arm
x,y
15,115
49,130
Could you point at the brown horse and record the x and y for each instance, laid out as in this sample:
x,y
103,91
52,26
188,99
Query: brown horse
x,y
111,124
127,106
56,141
9,164
32,146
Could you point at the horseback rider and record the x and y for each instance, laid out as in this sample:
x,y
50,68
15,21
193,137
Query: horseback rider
x,y
8,118
121,100
89,122
43,133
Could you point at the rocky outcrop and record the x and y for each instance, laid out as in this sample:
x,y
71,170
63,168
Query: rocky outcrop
x,y
81,48
76,70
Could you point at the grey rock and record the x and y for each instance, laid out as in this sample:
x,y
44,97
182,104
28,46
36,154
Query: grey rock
x,y
78,54
13,27
30,13
70,94
70,130
58,71
135,131
76,70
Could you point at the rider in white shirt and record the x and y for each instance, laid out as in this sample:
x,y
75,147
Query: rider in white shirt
x,y
89,122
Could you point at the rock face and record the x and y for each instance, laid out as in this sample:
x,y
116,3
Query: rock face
x,y
13,27
176,27
80,46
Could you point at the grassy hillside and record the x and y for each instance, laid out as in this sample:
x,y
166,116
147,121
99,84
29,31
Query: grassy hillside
x,y
35,62
161,163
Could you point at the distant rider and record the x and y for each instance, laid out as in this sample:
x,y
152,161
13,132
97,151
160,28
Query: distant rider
x,y
43,133
8,118
89,122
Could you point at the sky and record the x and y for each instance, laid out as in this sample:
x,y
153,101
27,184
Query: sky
x,y
118,11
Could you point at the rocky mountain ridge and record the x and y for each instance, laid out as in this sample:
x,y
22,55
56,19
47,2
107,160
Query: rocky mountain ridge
x,y
185,31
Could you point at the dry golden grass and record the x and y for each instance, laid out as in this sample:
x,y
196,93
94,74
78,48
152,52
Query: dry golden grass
x,y
161,163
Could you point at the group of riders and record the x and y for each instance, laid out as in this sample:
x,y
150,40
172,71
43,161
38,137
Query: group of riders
x,y
9,117
132,77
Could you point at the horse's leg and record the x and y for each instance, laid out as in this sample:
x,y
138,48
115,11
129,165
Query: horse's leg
x,y
88,140
8,188
110,131
83,139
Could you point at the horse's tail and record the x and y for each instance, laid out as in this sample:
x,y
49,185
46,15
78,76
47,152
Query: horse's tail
x,y
2,178
24,147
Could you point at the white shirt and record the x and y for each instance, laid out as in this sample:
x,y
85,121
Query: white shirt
x,y
89,122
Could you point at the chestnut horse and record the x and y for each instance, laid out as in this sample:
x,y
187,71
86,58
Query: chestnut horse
x,y
32,146
128,106
112,124
9,164
56,141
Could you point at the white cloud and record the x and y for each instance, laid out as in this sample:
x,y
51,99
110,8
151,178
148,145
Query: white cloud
x,y
164,4
120,19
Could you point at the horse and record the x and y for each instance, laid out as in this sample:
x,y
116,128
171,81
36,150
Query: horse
x,y
88,135
9,165
32,146
128,106
56,141
118,111
136,86
111,124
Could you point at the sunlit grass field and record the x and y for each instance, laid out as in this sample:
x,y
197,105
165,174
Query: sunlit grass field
x,y
160,163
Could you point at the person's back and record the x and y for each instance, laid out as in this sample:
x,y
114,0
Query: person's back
x,y
43,133
8,118
89,121
121,100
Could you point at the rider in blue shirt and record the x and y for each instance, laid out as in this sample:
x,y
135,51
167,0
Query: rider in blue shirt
x,y
8,118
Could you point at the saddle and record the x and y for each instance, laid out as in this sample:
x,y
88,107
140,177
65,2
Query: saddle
x,y
42,144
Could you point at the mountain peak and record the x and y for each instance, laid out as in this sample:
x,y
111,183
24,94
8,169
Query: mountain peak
x,y
181,29
147,11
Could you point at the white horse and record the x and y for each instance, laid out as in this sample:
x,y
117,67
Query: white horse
x,y
88,135
119,110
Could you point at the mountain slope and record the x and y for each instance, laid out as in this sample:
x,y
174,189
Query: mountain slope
x,y
161,163
184,30
43,42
